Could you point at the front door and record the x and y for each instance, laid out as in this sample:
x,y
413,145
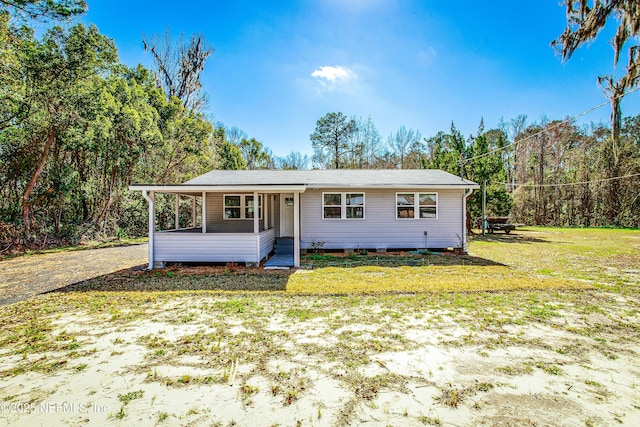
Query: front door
x,y
286,215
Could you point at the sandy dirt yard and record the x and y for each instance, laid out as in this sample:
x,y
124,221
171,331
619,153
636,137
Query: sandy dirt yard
x,y
241,347
264,360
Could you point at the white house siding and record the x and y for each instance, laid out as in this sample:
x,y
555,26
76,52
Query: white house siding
x,y
267,239
380,228
219,247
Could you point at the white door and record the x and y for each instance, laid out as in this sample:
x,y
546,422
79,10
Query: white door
x,y
286,215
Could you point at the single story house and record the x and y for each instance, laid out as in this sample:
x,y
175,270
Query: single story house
x,y
243,215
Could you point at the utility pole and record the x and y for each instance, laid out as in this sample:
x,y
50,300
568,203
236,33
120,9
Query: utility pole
x,y
484,207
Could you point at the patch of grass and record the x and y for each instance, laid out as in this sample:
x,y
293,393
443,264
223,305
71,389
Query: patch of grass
x,y
132,395
237,305
453,396
162,416
372,279
300,314
432,421
120,414
571,253
549,368
248,390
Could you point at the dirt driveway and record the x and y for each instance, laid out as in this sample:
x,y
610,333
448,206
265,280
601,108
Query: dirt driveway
x,y
26,276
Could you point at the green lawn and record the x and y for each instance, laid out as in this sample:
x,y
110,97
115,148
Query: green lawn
x,y
532,258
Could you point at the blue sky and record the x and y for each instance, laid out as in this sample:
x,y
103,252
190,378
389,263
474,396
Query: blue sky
x,y
279,66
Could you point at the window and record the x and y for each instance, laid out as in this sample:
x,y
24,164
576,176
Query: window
x,y
241,206
355,205
342,205
232,207
416,205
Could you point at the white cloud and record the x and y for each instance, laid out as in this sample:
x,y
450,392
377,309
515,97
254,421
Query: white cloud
x,y
333,74
336,78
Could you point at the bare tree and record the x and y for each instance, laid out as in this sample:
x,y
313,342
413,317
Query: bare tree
x,y
513,129
235,134
178,66
366,144
294,160
403,142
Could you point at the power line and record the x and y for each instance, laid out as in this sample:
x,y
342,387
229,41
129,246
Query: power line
x,y
569,183
553,126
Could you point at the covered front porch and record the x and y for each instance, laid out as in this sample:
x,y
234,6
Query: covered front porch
x,y
230,224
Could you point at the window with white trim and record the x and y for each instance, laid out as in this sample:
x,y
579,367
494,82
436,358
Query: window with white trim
x,y
342,205
416,205
241,206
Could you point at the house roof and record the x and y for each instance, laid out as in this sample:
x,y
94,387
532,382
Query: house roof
x,y
299,180
331,177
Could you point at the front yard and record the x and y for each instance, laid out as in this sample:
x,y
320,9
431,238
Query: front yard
x,y
541,327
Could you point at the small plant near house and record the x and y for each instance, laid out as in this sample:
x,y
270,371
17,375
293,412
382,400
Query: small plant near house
x,y
316,246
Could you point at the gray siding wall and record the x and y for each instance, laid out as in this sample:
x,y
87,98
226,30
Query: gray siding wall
x,y
217,224
380,228
221,247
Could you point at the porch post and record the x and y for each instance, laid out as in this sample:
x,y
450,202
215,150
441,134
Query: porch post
x,y
273,203
177,211
256,214
151,198
296,229
193,211
204,212
265,211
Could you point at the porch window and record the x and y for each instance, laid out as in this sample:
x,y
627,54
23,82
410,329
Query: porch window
x,y
232,207
240,206
250,209
416,205
342,205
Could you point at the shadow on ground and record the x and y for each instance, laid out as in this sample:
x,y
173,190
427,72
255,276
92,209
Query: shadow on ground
x,y
513,237
314,261
251,279
184,278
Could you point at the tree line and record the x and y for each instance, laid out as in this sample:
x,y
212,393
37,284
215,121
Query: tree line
x,y
77,127
545,172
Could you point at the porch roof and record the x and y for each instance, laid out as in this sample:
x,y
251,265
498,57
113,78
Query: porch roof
x,y
299,181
